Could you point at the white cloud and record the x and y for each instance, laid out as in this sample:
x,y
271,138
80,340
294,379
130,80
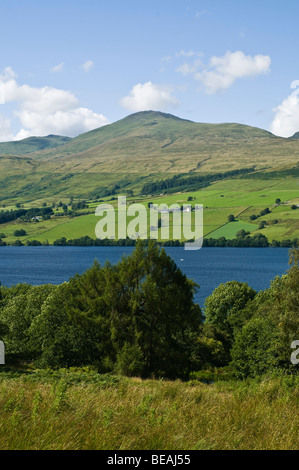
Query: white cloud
x,y
57,68
43,111
87,66
71,122
286,119
187,69
224,71
5,130
149,96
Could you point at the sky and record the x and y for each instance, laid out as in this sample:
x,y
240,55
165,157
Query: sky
x,y
70,66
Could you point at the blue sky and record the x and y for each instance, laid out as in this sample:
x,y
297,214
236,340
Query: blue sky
x,y
69,66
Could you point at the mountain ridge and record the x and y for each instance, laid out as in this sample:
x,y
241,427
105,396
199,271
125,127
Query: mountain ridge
x,y
140,148
32,144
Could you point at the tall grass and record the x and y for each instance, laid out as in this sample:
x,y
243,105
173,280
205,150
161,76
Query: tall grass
x,y
70,410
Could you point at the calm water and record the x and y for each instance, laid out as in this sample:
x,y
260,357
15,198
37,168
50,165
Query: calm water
x,y
209,267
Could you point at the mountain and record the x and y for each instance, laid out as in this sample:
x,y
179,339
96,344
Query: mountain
x,y
140,148
152,142
149,132
32,144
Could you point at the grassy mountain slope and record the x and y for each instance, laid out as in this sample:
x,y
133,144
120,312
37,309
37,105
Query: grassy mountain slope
x,y
153,142
142,147
32,144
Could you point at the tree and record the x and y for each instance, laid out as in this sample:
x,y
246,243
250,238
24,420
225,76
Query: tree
x,y
231,218
242,234
262,225
144,306
20,233
277,201
20,306
3,328
255,350
263,343
225,304
59,341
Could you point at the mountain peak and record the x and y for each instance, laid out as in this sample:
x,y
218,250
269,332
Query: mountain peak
x,y
150,114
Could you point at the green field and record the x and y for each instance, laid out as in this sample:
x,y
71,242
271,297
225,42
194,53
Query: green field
x,y
230,230
240,197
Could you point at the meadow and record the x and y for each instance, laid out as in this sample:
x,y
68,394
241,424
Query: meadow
x,y
79,410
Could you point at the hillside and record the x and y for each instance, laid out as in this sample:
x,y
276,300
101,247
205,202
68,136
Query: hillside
x,y
151,141
143,147
32,144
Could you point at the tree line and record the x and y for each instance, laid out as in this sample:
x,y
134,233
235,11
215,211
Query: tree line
x,y
242,240
24,214
183,182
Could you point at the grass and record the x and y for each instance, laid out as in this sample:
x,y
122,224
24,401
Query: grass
x,y
155,142
141,148
32,144
43,411
230,230
240,197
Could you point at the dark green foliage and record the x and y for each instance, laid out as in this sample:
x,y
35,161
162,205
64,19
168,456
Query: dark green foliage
x,y
262,225
265,212
17,243
33,243
261,214
255,349
223,307
184,182
137,317
130,361
8,216
24,214
242,240
263,344
144,307
57,338
20,233
79,205
20,305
